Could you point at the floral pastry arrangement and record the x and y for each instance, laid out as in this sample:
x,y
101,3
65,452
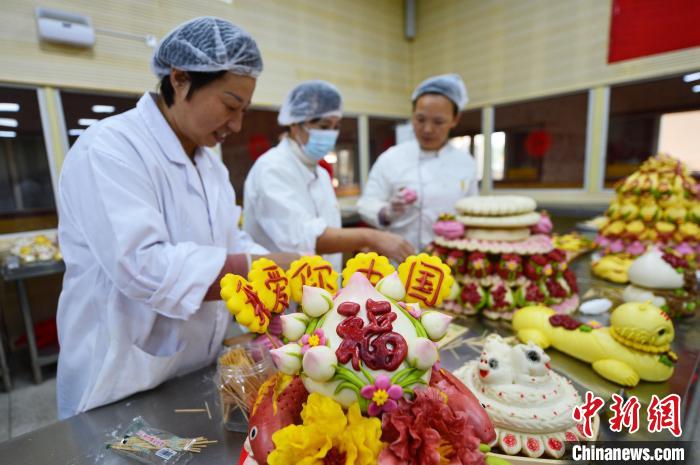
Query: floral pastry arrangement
x,y
359,378
38,248
667,280
636,346
502,256
530,405
657,205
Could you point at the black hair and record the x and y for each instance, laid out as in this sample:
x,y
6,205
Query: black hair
x,y
455,110
197,81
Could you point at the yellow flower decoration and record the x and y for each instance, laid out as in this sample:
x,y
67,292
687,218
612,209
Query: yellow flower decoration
x,y
372,265
271,283
427,280
311,271
325,427
244,303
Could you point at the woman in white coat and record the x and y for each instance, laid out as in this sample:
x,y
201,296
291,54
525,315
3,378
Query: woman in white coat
x,y
412,183
148,224
289,201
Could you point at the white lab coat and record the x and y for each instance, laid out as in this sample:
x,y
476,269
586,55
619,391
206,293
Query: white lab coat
x,y
289,202
144,232
439,178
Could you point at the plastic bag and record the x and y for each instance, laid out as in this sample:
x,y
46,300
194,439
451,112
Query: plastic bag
x,y
241,370
153,446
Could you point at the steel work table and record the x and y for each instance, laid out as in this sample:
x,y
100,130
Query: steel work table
x,y
18,275
80,439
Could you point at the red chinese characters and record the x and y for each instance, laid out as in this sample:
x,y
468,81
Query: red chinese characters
x,y
624,414
311,271
587,411
665,414
277,283
262,313
661,414
376,344
424,282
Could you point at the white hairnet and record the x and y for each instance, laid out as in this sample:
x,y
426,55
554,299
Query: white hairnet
x,y
310,100
450,85
207,44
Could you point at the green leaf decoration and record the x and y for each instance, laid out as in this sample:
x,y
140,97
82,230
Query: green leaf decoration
x,y
312,326
329,301
348,375
665,360
368,375
346,385
401,374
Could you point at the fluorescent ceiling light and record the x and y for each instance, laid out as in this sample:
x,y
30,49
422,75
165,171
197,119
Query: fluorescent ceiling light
x,y
75,132
8,134
9,122
9,107
691,77
87,121
696,88
103,109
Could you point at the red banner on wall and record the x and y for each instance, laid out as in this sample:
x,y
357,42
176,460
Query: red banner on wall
x,y
646,27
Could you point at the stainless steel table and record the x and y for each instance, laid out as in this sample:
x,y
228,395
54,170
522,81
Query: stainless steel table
x,y
18,275
80,440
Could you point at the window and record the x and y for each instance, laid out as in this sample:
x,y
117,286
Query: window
x,y
467,136
259,133
345,164
26,190
80,110
382,135
651,117
542,142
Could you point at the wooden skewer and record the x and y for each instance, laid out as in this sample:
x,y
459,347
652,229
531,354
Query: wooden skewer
x,y
206,404
190,410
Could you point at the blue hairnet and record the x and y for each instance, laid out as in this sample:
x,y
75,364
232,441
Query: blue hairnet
x,y
450,85
310,100
207,44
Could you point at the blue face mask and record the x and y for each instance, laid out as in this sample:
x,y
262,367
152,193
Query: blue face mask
x,y
321,141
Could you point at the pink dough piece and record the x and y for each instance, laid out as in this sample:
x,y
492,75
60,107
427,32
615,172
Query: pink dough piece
x,y
449,229
544,226
409,195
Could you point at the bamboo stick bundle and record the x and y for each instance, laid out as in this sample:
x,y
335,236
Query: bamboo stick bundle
x,y
240,378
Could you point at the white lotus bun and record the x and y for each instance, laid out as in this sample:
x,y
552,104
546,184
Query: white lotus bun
x,y
506,235
495,205
650,270
633,293
521,220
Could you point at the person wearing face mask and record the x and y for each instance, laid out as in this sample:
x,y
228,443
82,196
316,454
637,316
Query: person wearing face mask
x,y
148,224
289,201
412,183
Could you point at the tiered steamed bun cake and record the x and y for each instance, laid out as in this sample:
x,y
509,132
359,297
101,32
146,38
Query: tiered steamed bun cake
x,y
665,279
657,205
529,404
359,370
502,256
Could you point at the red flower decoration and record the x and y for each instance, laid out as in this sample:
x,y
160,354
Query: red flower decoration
x,y
479,265
427,431
537,267
570,278
510,267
